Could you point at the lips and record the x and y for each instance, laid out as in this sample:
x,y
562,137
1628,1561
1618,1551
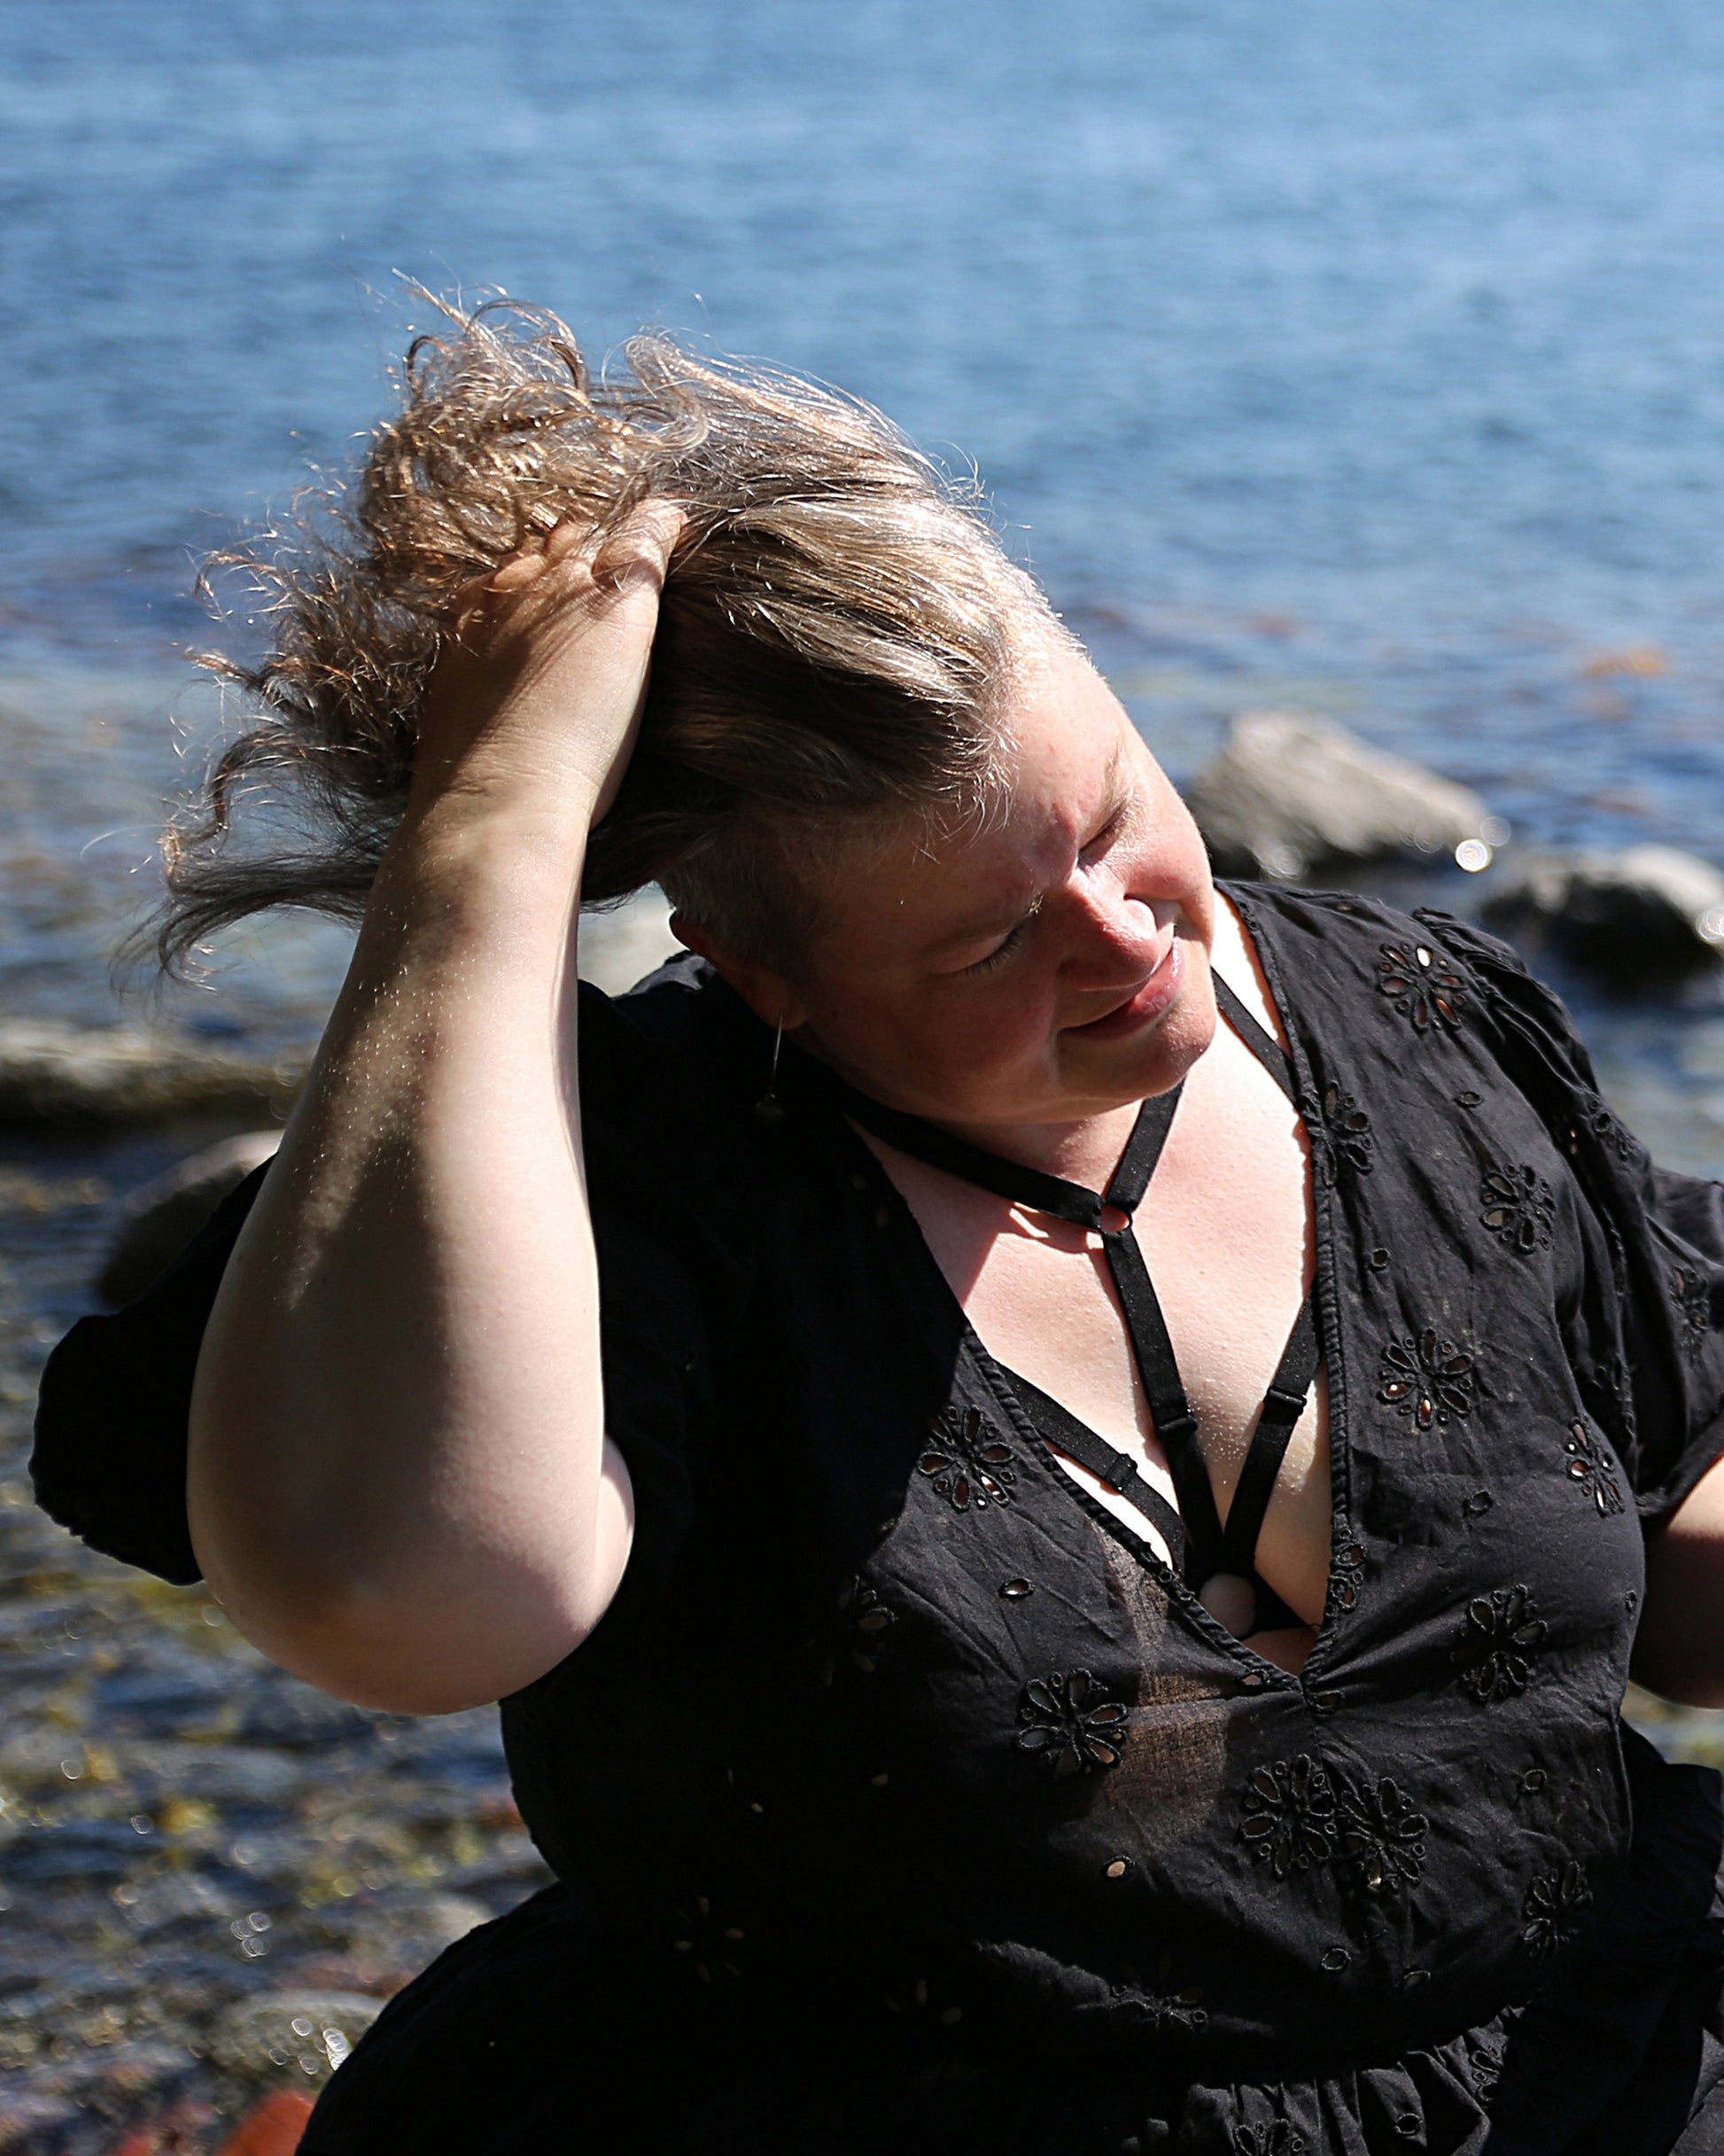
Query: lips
x,y
1144,1003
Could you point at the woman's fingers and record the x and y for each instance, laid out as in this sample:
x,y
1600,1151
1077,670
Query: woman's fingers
x,y
548,653
639,550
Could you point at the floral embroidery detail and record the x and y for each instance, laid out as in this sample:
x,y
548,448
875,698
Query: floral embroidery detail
x,y
1501,1631
967,1462
1599,1123
1484,2061
1609,1392
1556,1910
1693,1301
1339,1131
854,1631
712,1947
1347,1565
1382,1835
1072,1723
1591,1466
920,2003
1518,1205
1620,1379
1429,1379
1278,2138
1422,986
1158,2004
1290,1819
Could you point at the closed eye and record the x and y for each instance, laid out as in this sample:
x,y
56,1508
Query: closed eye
x,y
1002,951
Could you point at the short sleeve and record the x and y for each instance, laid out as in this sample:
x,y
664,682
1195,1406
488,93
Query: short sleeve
x,y
1660,1308
111,1432
109,1453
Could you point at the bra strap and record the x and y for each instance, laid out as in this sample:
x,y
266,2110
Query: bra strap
x,y
1283,1404
1171,1410
1254,1034
1058,1426
1006,1179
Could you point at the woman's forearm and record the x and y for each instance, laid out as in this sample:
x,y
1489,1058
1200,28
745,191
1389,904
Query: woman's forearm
x,y
398,1480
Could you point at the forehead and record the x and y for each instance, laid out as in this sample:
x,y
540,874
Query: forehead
x,y
1068,750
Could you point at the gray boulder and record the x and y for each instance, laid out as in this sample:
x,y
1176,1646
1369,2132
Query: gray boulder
x,y
161,1218
58,1075
1288,793
307,2034
1647,912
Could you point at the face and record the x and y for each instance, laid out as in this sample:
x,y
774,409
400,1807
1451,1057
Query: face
x,y
1050,968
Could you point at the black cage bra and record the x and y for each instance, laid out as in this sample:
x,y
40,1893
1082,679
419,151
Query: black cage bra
x,y
1216,1557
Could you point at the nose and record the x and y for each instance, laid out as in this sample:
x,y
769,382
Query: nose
x,y
1117,940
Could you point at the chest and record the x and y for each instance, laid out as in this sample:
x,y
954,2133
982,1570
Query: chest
x,y
1226,1230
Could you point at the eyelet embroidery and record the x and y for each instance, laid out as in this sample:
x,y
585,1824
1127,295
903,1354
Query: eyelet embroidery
x,y
1500,1633
1422,986
1428,1378
1159,2004
1693,1301
920,2003
1339,1131
967,1462
1290,1815
713,1948
853,1632
1347,1566
1382,1835
1300,1815
1590,1465
1598,1122
1484,2061
1519,1207
1555,1911
1071,1723
1279,2138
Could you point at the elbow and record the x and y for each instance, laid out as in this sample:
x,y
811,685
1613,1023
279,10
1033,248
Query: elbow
x,y
413,1646
1680,1680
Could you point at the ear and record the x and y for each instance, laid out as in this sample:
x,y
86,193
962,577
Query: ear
x,y
769,995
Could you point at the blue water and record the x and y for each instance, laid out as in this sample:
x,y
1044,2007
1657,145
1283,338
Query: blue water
x,y
1364,357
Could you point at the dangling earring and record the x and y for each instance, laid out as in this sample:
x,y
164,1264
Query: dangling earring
x,y
767,1108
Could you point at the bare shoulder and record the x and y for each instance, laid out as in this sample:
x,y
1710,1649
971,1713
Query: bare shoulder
x,y
1235,958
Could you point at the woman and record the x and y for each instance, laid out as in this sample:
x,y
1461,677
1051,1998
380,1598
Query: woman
x,y
1061,1573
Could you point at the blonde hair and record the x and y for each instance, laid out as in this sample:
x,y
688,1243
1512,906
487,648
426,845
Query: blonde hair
x,y
837,629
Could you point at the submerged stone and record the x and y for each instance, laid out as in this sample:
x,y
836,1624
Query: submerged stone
x,y
1289,793
1644,914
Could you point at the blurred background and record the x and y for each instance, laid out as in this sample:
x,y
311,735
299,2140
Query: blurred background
x,y
1361,362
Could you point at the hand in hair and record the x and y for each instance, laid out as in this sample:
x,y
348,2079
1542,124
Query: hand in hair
x,y
399,1481
542,673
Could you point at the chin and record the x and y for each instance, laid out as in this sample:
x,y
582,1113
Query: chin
x,y
1152,1062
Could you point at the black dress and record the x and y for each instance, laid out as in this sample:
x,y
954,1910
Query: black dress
x,y
905,1801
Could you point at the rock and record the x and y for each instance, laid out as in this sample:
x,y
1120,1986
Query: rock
x,y
307,2032
57,1075
622,943
161,1219
1288,793
1649,912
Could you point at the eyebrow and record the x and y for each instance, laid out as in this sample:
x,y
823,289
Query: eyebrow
x,y
1002,919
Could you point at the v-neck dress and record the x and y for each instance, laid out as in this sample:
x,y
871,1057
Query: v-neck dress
x,y
906,1800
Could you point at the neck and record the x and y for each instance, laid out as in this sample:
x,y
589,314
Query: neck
x,y
1086,1152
